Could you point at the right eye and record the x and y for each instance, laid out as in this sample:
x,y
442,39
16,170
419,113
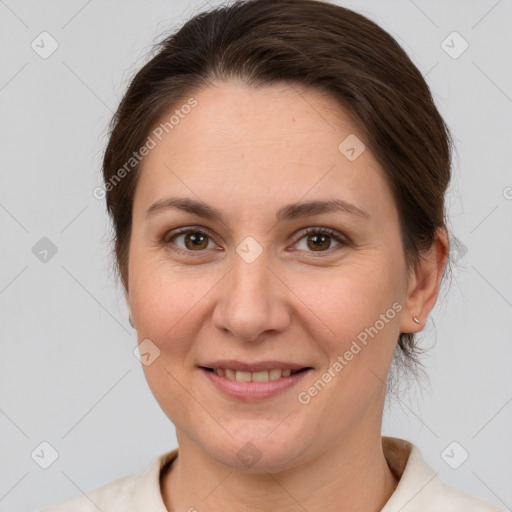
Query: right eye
x,y
193,239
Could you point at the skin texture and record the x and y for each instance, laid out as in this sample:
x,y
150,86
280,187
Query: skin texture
x,y
248,152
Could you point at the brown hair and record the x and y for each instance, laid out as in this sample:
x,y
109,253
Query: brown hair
x,y
309,43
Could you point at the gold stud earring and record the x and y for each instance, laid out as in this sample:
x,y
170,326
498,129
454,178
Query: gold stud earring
x,y
415,319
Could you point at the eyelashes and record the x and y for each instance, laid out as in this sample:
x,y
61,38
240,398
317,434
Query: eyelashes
x,y
202,238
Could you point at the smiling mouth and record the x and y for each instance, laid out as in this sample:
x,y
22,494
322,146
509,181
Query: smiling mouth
x,y
260,376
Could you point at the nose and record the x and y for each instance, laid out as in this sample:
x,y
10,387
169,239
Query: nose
x,y
253,301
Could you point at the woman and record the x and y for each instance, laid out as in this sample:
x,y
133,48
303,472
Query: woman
x,y
276,178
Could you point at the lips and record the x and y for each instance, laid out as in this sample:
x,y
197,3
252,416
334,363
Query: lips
x,y
253,386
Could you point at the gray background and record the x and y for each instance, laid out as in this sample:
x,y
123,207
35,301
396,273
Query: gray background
x,y
68,375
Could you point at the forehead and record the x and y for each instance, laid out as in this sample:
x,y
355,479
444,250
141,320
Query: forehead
x,y
261,145
237,115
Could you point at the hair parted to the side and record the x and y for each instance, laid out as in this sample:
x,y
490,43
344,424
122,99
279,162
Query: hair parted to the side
x,y
309,43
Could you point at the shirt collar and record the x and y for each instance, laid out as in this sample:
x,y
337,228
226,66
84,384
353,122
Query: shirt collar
x,y
419,484
148,495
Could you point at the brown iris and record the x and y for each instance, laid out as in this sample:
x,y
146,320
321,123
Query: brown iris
x,y
320,242
197,239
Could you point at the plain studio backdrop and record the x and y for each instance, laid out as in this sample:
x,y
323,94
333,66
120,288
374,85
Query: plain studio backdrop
x,y
75,409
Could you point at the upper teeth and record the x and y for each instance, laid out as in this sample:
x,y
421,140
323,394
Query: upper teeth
x,y
262,376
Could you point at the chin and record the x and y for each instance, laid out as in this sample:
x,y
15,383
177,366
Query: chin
x,y
255,454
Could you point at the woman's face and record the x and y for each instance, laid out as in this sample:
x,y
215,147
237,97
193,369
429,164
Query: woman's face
x,y
249,285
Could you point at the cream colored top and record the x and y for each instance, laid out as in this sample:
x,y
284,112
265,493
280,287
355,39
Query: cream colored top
x,y
419,488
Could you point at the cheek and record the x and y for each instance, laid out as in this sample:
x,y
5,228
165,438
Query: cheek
x,y
163,307
359,306
167,302
354,296
163,302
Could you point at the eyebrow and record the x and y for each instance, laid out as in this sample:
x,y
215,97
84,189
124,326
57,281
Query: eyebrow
x,y
288,212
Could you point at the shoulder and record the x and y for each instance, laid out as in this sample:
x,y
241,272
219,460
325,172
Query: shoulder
x,y
127,494
420,489
114,496
455,500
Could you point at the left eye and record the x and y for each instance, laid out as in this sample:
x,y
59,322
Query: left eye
x,y
319,239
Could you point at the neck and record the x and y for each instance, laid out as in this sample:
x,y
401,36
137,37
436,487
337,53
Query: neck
x,y
350,476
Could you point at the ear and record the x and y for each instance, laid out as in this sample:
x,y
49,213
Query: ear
x,y
128,305
424,283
